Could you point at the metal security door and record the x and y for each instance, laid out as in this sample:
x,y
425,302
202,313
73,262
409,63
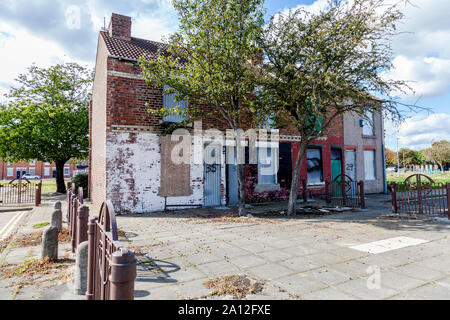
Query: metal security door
x,y
232,179
350,164
212,185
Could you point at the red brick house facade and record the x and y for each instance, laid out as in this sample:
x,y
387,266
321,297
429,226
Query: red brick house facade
x,y
128,157
45,170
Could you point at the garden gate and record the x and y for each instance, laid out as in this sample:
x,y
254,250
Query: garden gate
x,y
423,195
20,191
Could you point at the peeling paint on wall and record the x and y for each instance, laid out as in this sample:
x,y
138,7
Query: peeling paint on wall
x,y
133,174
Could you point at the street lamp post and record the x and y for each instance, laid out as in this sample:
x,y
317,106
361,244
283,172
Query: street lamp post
x,y
398,161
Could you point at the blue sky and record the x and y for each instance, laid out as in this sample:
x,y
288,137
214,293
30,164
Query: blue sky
x,y
46,32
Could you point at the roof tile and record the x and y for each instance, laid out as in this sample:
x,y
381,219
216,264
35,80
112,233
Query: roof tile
x,y
131,49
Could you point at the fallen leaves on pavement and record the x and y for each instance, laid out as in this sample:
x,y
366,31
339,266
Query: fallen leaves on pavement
x,y
237,286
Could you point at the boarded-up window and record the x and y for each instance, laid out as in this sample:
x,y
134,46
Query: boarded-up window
x,y
267,167
169,102
175,178
369,165
368,125
314,166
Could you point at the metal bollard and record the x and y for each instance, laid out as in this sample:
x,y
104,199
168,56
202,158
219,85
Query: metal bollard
x,y
394,197
305,190
37,195
327,191
448,200
123,273
91,259
362,194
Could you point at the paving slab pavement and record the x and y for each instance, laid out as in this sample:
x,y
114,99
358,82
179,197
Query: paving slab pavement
x,y
54,286
298,258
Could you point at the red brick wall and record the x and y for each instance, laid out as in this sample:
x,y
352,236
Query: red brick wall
x,y
120,26
39,169
126,104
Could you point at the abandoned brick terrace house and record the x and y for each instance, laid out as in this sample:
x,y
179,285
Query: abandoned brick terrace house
x,y
129,162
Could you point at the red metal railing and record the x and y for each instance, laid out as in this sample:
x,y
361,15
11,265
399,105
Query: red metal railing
x,y
345,192
77,216
20,191
111,267
421,197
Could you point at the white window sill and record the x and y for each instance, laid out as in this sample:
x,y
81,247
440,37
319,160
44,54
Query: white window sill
x,y
267,187
316,184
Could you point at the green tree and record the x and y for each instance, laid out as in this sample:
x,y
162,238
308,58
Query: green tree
x,y
439,152
411,157
391,157
47,118
319,66
210,58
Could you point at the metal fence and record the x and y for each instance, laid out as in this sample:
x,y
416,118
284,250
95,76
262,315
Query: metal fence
x,y
77,216
111,267
420,197
20,191
345,192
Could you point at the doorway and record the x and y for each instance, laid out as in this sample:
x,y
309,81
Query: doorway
x,y
336,164
212,170
350,164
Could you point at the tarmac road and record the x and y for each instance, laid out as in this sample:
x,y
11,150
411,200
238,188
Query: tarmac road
x,y
9,221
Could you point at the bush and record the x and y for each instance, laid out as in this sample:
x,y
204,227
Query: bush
x,y
81,180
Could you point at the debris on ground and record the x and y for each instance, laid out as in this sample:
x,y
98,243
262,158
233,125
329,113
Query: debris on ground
x,y
35,238
35,266
4,243
318,210
64,236
398,216
28,240
237,286
121,234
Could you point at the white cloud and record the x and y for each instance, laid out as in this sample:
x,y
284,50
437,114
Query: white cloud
x,y
426,76
422,49
19,52
152,28
38,31
418,132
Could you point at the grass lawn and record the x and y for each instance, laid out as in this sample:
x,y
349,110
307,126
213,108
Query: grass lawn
x,y
395,177
48,185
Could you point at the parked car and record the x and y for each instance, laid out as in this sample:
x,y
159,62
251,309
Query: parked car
x,y
29,176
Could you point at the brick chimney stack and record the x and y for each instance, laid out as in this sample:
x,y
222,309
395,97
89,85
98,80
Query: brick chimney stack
x,y
120,26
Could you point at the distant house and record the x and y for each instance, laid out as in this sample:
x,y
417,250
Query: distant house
x,y
45,170
129,157
364,150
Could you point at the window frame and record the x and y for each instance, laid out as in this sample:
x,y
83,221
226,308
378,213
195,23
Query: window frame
x,y
274,157
369,124
322,179
173,118
374,164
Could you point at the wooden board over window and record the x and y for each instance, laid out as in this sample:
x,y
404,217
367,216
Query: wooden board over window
x,y
175,178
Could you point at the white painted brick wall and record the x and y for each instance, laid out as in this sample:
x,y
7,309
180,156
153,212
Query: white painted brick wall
x,y
133,174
